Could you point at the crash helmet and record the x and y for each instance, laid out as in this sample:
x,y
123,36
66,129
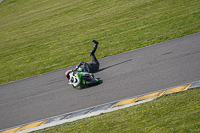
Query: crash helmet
x,y
81,69
67,73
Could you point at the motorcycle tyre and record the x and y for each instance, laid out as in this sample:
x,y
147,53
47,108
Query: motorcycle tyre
x,y
89,83
79,87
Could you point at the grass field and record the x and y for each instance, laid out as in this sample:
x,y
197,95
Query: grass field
x,y
177,113
38,36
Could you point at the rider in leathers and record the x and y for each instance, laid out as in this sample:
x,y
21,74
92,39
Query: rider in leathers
x,y
94,65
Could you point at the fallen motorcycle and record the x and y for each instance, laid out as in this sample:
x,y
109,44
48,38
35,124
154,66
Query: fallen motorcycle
x,y
80,80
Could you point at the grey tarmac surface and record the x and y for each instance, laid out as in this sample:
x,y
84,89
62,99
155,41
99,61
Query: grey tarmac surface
x,y
124,75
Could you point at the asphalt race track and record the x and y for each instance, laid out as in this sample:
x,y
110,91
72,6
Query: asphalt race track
x,y
125,75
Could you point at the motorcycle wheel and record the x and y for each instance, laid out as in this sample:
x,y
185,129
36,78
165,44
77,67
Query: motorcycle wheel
x,y
92,82
79,87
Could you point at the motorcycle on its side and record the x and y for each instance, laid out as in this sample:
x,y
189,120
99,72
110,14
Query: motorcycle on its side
x,y
80,80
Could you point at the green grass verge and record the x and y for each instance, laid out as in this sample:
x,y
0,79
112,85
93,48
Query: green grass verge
x,y
38,36
179,113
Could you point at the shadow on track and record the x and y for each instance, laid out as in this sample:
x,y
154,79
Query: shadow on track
x,y
114,65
